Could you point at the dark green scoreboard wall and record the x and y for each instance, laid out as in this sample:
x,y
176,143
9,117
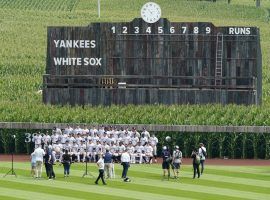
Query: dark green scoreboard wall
x,y
177,65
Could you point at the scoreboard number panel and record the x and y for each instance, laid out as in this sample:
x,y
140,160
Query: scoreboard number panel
x,y
161,30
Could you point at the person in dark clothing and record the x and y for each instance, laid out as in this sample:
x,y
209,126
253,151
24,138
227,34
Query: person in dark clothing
x,y
196,163
46,158
49,164
108,163
66,160
166,156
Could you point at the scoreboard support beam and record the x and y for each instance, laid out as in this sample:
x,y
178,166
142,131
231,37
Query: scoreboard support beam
x,y
259,71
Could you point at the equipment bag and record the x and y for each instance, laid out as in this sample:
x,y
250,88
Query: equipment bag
x,y
197,159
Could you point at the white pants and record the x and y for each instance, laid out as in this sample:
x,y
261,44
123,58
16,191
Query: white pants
x,y
39,169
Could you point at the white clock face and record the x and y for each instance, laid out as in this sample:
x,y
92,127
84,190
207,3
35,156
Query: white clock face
x,y
151,12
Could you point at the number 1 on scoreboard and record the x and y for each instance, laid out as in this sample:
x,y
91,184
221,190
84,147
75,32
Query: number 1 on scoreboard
x,y
113,29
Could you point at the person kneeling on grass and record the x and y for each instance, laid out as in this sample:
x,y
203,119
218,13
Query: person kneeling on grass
x,y
66,160
196,163
100,164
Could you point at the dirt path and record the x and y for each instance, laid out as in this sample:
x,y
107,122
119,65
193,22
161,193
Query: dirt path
x,y
226,162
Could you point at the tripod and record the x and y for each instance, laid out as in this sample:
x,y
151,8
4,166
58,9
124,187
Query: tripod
x,y
86,173
11,171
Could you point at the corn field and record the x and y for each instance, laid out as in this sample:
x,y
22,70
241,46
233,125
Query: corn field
x,y
219,145
23,30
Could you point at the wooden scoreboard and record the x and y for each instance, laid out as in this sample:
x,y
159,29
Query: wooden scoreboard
x,y
148,62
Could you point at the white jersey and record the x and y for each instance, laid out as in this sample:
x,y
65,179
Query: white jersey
x,y
148,149
108,133
57,131
120,139
201,152
134,141
101,132
85,131
39,153
106,146
126,139
103,139
122,148
46,139
146,134
37,139
136,134
79,140
95,139
116,134
91,147
121,134
54,138
130,149
100,163
177,156
71,140
93,131
68,130
81,148
113,149
58,147
99,148
75,148
144,140
140,149
153,141
64,138
67,146
77,130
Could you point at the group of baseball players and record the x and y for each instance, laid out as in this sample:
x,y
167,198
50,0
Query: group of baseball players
x,y
84,144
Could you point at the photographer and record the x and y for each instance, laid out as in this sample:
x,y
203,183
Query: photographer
x,y
66,160
203,154
196,163
176,161
166,156
49,163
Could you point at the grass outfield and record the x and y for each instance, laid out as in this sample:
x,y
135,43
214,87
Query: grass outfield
x,y
218,182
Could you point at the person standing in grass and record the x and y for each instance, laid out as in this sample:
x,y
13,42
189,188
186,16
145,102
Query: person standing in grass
x,y
39,153
33,164
49,161
202,154
196,163
100,164
176,161
66,160
108,163
166,156
125,160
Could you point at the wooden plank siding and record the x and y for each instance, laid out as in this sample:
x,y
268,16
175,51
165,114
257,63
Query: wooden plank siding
x,y
167,68
149,127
